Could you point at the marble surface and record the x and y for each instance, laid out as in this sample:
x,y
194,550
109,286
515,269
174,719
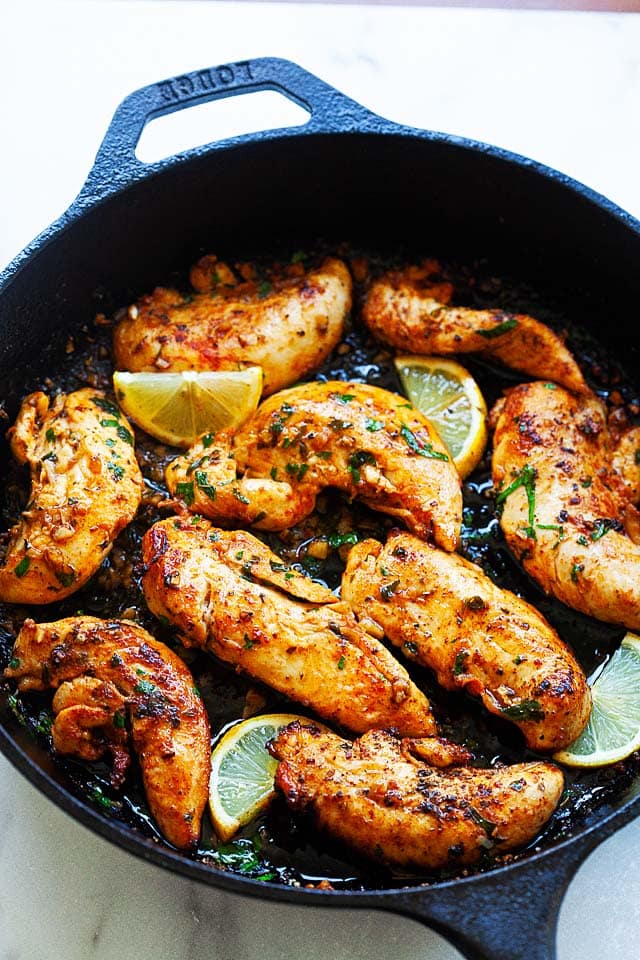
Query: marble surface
x,y
561,87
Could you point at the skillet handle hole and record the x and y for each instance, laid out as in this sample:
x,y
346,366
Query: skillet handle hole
x,y
206,123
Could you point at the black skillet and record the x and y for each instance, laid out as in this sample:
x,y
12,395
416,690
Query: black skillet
x,y
346,174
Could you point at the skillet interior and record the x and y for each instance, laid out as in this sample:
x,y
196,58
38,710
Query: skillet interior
x,y
385,193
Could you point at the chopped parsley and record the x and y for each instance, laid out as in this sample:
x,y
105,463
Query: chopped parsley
x,y
125,435
274,473
575,570
343,397
21,568
117,472
264,289
106,405
297,470
459,665
525,478
109,423
388,589
66,579
499,330
422,449
239,496
119,721
357,460
248,642
341,662
208,439
339,424
550,386
525,710
204,485
373,425
186,492
50,435
145,686
337,540
14,663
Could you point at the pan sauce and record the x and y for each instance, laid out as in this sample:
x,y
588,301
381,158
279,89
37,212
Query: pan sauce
x,y
279,847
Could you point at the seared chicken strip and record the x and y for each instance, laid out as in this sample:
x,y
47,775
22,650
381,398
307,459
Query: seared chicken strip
x,y
288,326
565,504
410,309
366,441
228,593
443,612
411,803
86,487
111,676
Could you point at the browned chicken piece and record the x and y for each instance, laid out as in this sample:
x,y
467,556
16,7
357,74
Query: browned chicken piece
x,y
288,326
229,594
366,441
412,803
86,487
566,510
116,684
410,309
444,613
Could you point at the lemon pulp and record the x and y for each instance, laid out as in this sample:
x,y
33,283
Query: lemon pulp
x,y
451,400
613,730
177,408
242,772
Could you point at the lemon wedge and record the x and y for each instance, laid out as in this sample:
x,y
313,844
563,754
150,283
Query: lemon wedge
x,y
242,772
177,408
450,398
613,730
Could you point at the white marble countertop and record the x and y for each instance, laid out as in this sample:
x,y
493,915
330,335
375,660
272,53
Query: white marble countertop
x,y
562,88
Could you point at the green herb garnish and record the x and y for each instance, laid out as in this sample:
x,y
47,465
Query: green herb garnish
x,y
575,570
388,589
499,330
373,425
186,492
106,405
459,665
203,484
341,662
21,568
525,478
525,710
422,449
50,435
357,460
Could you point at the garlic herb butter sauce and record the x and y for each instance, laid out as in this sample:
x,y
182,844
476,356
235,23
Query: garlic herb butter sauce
x,y
279,847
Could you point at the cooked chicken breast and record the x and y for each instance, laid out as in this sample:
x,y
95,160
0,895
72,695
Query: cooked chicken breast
x,y
411,803
86,487
287,326
228,593
366,441
443,612
565,502
114,681
410,309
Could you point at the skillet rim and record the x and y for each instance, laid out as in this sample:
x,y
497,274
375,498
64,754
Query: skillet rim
x,y
355,121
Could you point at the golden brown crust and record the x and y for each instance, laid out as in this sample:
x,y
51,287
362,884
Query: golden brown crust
x,y
366,441
228,593
86,487
106,668
444,613
410,310
566,501
379,797
288,331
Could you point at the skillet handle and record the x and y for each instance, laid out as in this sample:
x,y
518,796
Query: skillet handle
x,y
509,914
116,164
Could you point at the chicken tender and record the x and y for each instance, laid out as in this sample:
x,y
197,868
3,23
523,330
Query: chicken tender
x,y
411,803
115,682
86,486
565,504
366,441
228,593
410,309
444,613
288,326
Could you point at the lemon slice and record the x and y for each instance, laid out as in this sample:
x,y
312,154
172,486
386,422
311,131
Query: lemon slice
x,y
242,772
177,408
450,398
613,730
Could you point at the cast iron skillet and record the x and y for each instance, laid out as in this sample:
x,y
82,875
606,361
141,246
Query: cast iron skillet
x,y
346,174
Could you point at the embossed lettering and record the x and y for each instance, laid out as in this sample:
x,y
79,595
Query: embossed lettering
x,y
245,67
225,75
185,86
206,80
167,93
